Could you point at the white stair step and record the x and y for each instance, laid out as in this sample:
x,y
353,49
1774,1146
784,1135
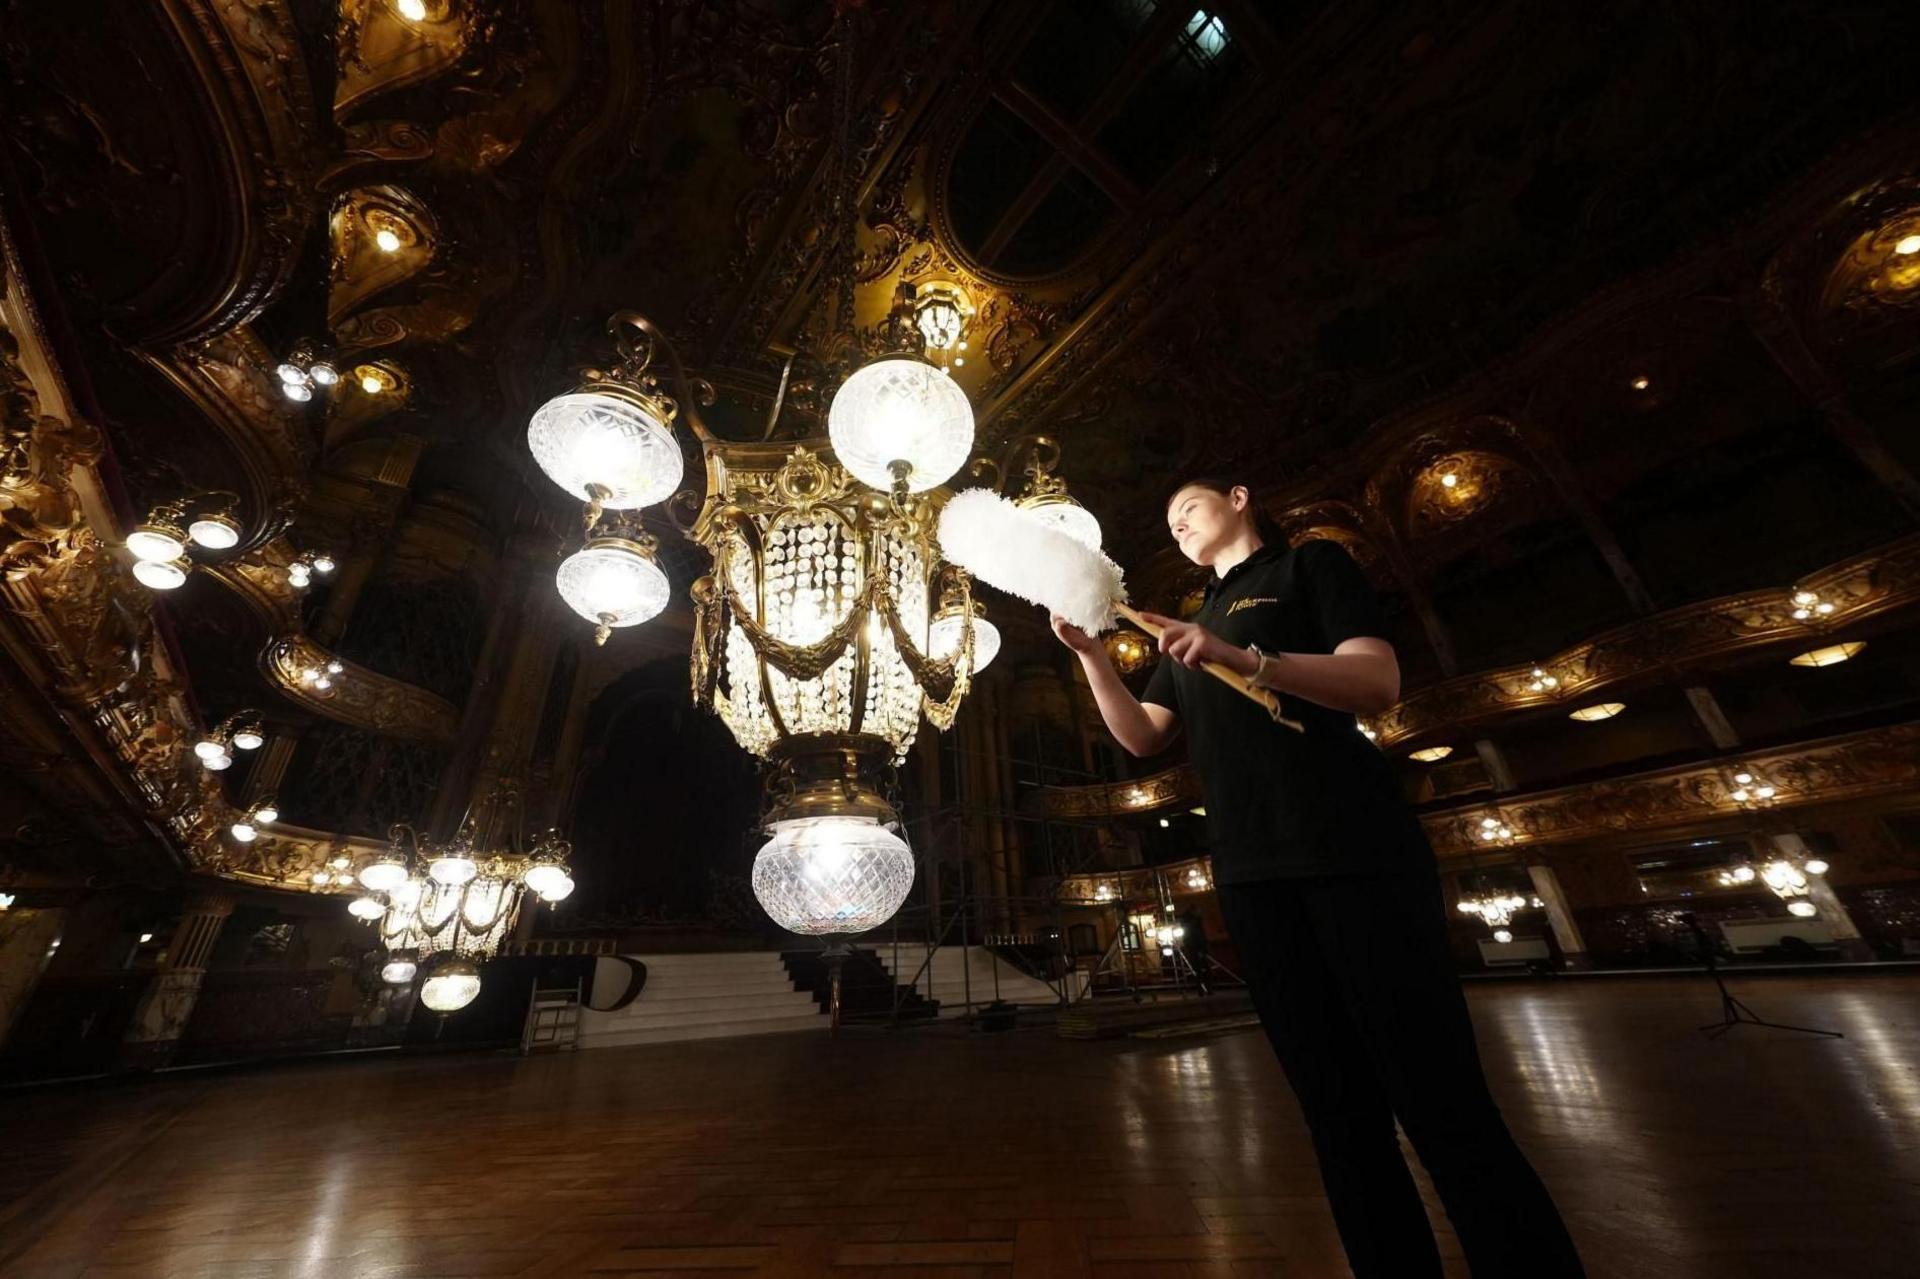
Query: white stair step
x,y
717,1030
691,986
737,999
614,1023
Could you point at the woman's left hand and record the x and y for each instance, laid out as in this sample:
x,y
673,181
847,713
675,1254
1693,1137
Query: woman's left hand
x,y
1191,644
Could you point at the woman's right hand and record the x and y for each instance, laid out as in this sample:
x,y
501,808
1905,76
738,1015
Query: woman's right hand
x,y
1073,637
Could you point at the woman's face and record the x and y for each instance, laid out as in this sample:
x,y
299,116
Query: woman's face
x,y
1203,521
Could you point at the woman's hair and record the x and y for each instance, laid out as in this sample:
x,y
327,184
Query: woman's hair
x,y
1224,485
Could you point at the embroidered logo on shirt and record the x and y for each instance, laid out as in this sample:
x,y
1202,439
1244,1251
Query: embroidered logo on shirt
x,y
1237,605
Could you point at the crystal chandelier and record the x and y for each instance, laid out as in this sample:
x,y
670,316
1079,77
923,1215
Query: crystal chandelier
x,y
457,900
1496,909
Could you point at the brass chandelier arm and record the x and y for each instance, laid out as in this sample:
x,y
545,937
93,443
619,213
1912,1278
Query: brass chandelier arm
x,y
692,392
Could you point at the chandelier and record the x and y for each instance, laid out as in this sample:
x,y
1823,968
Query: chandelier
x,y
1787,877
1496,909
456,900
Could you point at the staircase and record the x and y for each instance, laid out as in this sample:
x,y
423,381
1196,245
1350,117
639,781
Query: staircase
x,y
947,979
711,996
867,989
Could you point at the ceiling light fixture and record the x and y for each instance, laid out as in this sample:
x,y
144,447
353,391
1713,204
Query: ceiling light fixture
x,y
1907,245
1831,655
1431,754
1594,714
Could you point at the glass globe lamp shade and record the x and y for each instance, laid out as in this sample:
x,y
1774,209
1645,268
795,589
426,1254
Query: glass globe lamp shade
x,y
450,987
244,831
1815,866
1502,936
549,882
266,814
367,908
299,575
452,871
209,748
944,637
290,372
1071,518
160,575
249,738
299,392
1802,909
822,876
215,532
398,972
590,439
219,763
383,875
157,541
613,582
324,373
900,410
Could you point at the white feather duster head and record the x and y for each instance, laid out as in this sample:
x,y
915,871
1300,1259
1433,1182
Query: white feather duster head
x,y
1016,552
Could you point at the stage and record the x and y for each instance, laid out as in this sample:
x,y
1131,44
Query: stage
x,y
933,1151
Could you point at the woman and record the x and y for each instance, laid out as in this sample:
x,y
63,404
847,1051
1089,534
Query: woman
x,y
1330,891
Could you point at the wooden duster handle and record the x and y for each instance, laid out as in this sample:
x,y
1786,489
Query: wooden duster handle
x,y
1231,678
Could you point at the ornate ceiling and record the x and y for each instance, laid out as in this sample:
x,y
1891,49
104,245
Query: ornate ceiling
x,y
1567,320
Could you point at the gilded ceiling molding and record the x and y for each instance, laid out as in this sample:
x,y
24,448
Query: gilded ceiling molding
x,y
81,633
379,237
229,378
1648,648
1871,764
248,56
355,695
284,856
260,579
379,51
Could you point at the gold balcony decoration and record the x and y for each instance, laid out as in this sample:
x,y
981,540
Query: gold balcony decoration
x,y
455,901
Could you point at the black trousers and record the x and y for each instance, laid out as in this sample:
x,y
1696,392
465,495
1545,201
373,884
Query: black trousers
x,y
1355,986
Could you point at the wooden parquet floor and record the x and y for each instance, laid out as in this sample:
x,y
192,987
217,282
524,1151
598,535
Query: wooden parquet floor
x,y
935,1153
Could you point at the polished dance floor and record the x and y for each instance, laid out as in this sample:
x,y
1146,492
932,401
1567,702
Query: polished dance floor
x,y
932,1153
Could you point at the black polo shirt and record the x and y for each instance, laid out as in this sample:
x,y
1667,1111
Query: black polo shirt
x,y
1281,803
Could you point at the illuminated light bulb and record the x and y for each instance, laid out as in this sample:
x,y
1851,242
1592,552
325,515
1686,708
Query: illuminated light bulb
x,y
551,883
208,748
298,392
324,373
323,683
248,739
452,870
156,542
266,814
398,972
1449,480
1431,754
411,10
1764,792
145,938
898,412
1907,245
1740,796
367,908
161,575
1743,779
1502,936
334,668
387,240
323,564
291,373
340,863
384,875
1804,909
371,384
219,763
244,831
321,877
1743,874
215,532
1641,383
1164,823
1816,866
299,574
450,987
